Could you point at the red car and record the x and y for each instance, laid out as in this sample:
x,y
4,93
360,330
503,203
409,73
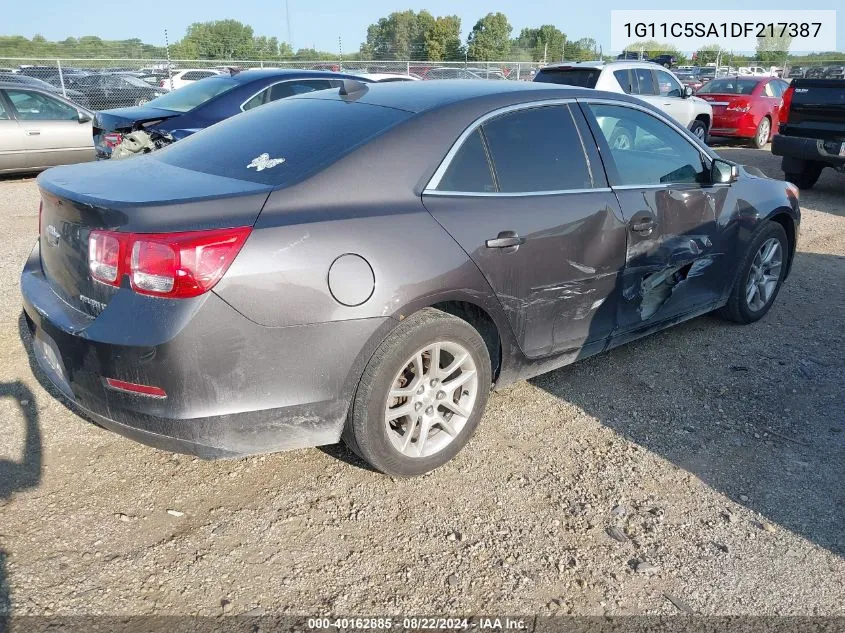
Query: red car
x,y
745,107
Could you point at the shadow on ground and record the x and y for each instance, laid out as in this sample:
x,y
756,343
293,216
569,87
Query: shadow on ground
x,y
18,475
755,412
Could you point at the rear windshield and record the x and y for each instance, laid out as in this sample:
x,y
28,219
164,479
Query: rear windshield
x,y
193,95
730,86
583,77
283,142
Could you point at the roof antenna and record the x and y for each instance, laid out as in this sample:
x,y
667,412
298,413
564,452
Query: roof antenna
x,y
351,87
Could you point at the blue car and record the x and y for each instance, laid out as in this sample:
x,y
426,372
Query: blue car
x,y
198,105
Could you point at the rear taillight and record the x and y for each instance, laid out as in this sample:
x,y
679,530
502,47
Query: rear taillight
x,y
787,102
112,139
105,257
174,265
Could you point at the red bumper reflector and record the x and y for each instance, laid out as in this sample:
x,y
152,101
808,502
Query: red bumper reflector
x,y
131,387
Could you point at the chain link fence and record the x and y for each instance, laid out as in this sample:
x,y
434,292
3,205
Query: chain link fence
x,y
100,84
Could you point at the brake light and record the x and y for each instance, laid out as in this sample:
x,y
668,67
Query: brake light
x,y
173,265
104,257
787,102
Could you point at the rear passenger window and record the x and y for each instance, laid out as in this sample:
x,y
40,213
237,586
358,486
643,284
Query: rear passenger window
x,y
642,82
536,150
469,170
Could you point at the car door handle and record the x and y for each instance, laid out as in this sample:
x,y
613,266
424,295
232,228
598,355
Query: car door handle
x,y
33,132
643,225
505,239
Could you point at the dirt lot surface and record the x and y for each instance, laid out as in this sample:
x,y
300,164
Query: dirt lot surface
x,y
714,453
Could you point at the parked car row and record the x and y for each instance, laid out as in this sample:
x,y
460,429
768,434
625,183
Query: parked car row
x,y
41,129
655,85
835,71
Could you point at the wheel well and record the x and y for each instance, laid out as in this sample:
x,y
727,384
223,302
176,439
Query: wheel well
x,y
483,323
785,220
704,119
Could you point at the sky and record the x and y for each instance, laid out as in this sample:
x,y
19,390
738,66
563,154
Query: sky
x,y
319,23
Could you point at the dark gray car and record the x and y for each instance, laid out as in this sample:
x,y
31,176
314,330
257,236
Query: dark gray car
x,y
366,262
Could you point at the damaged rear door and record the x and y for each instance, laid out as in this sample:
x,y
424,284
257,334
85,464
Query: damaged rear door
x,y
524,194
662,181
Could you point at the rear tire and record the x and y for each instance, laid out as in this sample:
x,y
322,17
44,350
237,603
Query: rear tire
x,y
750,300
807,177
761,136
431,431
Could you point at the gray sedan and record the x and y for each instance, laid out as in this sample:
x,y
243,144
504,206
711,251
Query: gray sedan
x,y
367,262
39,129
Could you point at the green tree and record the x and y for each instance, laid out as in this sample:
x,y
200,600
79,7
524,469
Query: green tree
x,y
707,54
773,50
221,39
585,49
398,36
543,43
443,39
489,39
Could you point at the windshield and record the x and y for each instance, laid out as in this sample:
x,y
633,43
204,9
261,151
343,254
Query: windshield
x,y
283,142
583,77
732,86
194,94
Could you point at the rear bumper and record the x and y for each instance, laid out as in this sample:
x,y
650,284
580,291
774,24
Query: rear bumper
x,y
736,124
808,149
233,387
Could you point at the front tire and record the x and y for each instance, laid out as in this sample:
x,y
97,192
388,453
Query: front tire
x,y
699,129
421,396
759,276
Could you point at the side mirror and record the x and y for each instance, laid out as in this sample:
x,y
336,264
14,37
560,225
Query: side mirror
x,y
688,92
723,172
83,117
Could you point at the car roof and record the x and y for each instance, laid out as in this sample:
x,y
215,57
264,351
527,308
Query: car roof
x,y
419,96
255,74
599,64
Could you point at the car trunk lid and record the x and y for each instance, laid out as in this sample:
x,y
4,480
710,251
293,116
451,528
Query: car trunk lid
x,y
720,102
138,195
817,109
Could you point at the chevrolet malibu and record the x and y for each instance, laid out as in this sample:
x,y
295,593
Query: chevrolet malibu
x,y
370,268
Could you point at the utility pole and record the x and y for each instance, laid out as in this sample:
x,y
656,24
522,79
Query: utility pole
x,y
340,50
287,23
563,51
169,66
545,53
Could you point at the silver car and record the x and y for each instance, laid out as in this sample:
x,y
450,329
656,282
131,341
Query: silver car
x,y
39,129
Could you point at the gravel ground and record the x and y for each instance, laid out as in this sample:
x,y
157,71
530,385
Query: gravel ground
x,y
705,463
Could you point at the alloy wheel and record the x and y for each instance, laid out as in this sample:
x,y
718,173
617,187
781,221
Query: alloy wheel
x,y
764,275
431,399
763,132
